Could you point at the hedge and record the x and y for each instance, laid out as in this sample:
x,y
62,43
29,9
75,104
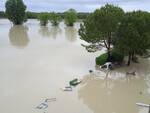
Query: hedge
x,y
102,59
115,57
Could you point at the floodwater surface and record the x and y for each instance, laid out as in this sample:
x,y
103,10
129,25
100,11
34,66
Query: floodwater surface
x,y
36,62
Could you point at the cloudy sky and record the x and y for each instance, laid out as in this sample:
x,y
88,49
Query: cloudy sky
x,y
81,5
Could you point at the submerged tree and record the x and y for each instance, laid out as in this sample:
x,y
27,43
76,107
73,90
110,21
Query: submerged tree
x,y
133,35
54,18
43,18
70,17
15,11
100,27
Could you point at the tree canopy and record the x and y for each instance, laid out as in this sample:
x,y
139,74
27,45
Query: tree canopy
x,y
128,33
15,11
70,17
43,18
54,18
133,35
101,26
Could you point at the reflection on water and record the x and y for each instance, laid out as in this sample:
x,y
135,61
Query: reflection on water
x,y
44,31
108,96
52,31
71,33
117,95
18,36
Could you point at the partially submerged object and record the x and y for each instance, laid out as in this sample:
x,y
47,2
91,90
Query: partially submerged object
x,y
90,71
75,82
143,105
131,73
107,65
67,88
44,104
147,56
50,99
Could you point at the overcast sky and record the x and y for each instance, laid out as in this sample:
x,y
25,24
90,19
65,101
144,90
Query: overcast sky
x,y
81,5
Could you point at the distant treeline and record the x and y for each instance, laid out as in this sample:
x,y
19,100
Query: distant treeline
x,y
34,15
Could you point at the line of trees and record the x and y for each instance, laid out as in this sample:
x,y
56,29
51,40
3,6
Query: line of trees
x,y
17,14
34,15
70,18
112,28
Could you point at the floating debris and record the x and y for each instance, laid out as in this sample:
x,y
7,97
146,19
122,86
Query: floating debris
x,y
146,55
44,104
67,88
90,71
131,73
75,82
143,105
107,66
50,99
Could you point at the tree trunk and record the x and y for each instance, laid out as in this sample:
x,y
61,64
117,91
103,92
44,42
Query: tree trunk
x,y
108,52
132,55
129,59
108,49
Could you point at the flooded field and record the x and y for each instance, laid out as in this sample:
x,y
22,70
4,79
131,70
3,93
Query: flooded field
x,y
35,62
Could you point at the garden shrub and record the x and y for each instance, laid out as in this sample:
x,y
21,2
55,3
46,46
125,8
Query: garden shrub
x,y
115,57
102,59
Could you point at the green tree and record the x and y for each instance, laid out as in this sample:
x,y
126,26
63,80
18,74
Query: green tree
x,y
15,11
55,18
133,35
100,27
70,17
43,18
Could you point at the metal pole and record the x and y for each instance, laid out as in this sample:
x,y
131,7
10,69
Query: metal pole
x,y
149,109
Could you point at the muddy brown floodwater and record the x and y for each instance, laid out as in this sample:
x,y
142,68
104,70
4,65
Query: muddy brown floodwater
x,y
35,62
